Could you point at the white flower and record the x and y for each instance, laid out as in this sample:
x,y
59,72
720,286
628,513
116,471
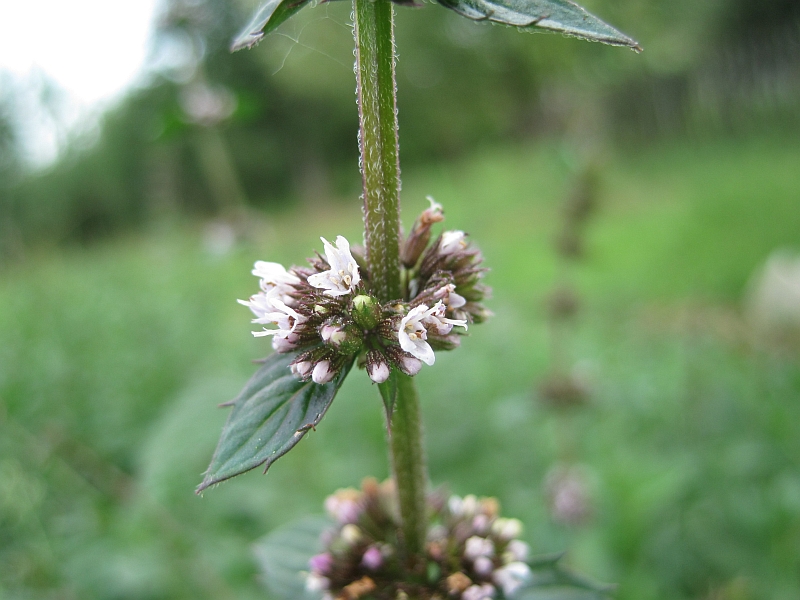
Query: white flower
x,y
413,335
447,294
511,577
452,241
270,309
478,546
413,332
435,319
273,274
343,276
434,212
275,277
478,592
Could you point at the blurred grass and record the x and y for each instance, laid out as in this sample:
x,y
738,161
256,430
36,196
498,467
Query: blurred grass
x,y
113,358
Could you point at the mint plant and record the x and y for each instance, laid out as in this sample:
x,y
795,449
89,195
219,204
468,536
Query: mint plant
x,y
386,307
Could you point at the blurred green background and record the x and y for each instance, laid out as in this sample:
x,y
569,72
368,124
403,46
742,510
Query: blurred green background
x,y
120,264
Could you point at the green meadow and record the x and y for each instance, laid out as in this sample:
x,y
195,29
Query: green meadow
x,y
115,354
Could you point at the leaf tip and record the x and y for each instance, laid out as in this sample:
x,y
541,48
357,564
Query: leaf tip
x,y
247,40
207,481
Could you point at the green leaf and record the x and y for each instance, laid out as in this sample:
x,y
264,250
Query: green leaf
x,y
550,580
388,391
561,16
283,556
271,414
265,20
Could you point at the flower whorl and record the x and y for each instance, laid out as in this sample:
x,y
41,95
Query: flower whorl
x,y
327,315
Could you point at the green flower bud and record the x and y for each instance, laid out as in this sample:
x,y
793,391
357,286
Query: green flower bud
x,y
366,312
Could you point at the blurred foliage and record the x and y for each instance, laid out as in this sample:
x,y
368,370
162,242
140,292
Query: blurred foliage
x,y
114,358
718,66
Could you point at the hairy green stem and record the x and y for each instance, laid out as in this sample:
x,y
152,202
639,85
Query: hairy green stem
x,y
408,464
380,166
380,169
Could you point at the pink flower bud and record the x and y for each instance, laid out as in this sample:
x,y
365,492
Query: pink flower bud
x,y
420,234
478,546
372,559
479,592
512,577
344,506
410,365
480,524
302,369
321,563
483,566
378,371
518,551
331,333
322,372
280,344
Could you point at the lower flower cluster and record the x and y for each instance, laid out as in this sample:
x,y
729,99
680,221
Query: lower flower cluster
x,y
471,552
326,312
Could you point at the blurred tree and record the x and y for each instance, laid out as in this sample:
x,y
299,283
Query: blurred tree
x,y
286,127
10,166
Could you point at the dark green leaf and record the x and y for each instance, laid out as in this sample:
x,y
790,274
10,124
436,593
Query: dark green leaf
x,y
266,19
562,16
283,556
388,391
271,414
552,581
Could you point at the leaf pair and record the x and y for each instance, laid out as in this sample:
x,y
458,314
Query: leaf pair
x,y
270,416
562,16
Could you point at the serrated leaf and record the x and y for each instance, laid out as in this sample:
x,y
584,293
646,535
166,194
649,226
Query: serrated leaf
x,y
388,390
283,556
266,19
561,16
271,414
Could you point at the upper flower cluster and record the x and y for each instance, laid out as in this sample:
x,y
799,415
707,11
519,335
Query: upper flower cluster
x,y
326,311
472,552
